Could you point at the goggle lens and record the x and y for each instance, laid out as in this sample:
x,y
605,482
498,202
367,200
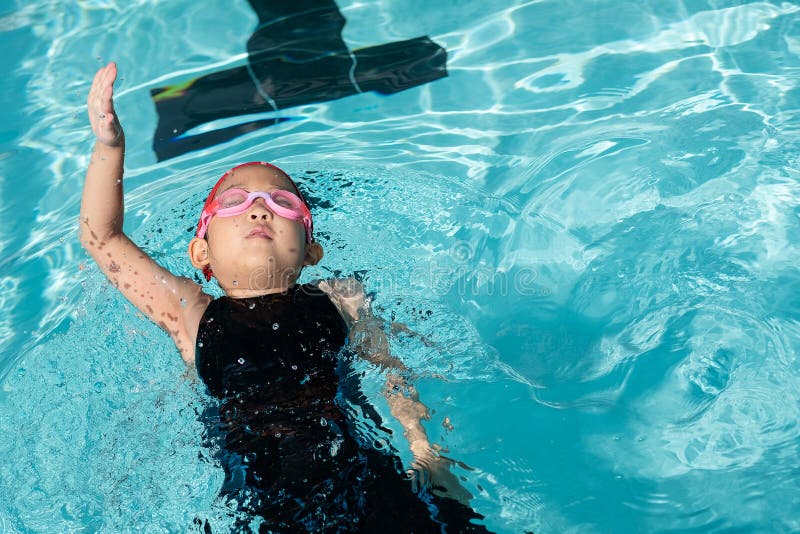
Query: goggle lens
x,y
236,201
283,203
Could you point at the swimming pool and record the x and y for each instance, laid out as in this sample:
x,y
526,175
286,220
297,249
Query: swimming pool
x,y
594,217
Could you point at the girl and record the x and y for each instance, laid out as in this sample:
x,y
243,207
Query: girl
x,y
271,351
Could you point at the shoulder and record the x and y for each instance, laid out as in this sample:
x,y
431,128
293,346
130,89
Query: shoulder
x,y
348,295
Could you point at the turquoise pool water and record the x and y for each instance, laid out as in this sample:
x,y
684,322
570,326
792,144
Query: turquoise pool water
x,y
594,217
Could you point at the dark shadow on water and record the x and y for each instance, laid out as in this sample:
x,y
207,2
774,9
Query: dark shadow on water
x,y
296,56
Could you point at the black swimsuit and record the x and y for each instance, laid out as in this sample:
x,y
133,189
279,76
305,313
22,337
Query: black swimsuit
x,y
291,452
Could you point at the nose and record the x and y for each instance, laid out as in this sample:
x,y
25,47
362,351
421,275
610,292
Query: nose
x,y
259,209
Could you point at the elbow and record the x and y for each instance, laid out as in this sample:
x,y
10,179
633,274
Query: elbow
x,y
88,238
84,234
91,240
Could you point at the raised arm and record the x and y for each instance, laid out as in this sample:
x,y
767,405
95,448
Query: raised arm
x,y
368,338
174,303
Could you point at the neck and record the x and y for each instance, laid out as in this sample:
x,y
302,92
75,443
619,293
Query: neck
x,y
243,293
258,282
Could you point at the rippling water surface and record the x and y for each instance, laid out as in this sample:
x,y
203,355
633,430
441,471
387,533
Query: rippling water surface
x,y
594,218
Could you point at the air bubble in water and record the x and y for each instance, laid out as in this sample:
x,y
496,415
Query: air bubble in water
x,y
241,361
275,326
252,305
294,368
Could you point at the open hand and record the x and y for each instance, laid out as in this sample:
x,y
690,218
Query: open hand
x,y
103,118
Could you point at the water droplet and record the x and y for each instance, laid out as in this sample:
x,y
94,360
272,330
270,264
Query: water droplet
x,y
275,326
183,302
174,130
294,368
210,319
235,282
278,434
323,421
200,344
241,361
252,305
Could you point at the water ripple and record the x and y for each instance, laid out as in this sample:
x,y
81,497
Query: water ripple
x,y
592,221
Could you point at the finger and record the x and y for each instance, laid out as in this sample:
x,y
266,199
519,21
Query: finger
x,y
96,80
98,88
97,75
103,74
112,71
109,74
104,94
107,99
95,84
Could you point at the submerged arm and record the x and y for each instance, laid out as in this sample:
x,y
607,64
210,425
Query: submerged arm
x,y
369,340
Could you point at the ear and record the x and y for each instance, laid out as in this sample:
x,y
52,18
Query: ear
x,y
314,253
198,253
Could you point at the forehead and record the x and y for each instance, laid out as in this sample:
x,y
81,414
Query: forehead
x,y
257,177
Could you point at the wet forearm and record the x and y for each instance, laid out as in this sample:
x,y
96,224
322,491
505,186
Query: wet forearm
x,y
102,206
369,339
408,410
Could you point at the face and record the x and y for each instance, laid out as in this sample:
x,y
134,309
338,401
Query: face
x,y
255,251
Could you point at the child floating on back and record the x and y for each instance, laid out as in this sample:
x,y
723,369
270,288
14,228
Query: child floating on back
x,y
270,351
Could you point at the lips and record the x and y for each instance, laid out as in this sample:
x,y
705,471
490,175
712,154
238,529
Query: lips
x,y
260,231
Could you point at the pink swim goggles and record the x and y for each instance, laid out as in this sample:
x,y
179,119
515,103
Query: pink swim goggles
x,y
236,201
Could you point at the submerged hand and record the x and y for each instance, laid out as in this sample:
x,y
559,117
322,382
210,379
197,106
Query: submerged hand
x,y
103,118
432,471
